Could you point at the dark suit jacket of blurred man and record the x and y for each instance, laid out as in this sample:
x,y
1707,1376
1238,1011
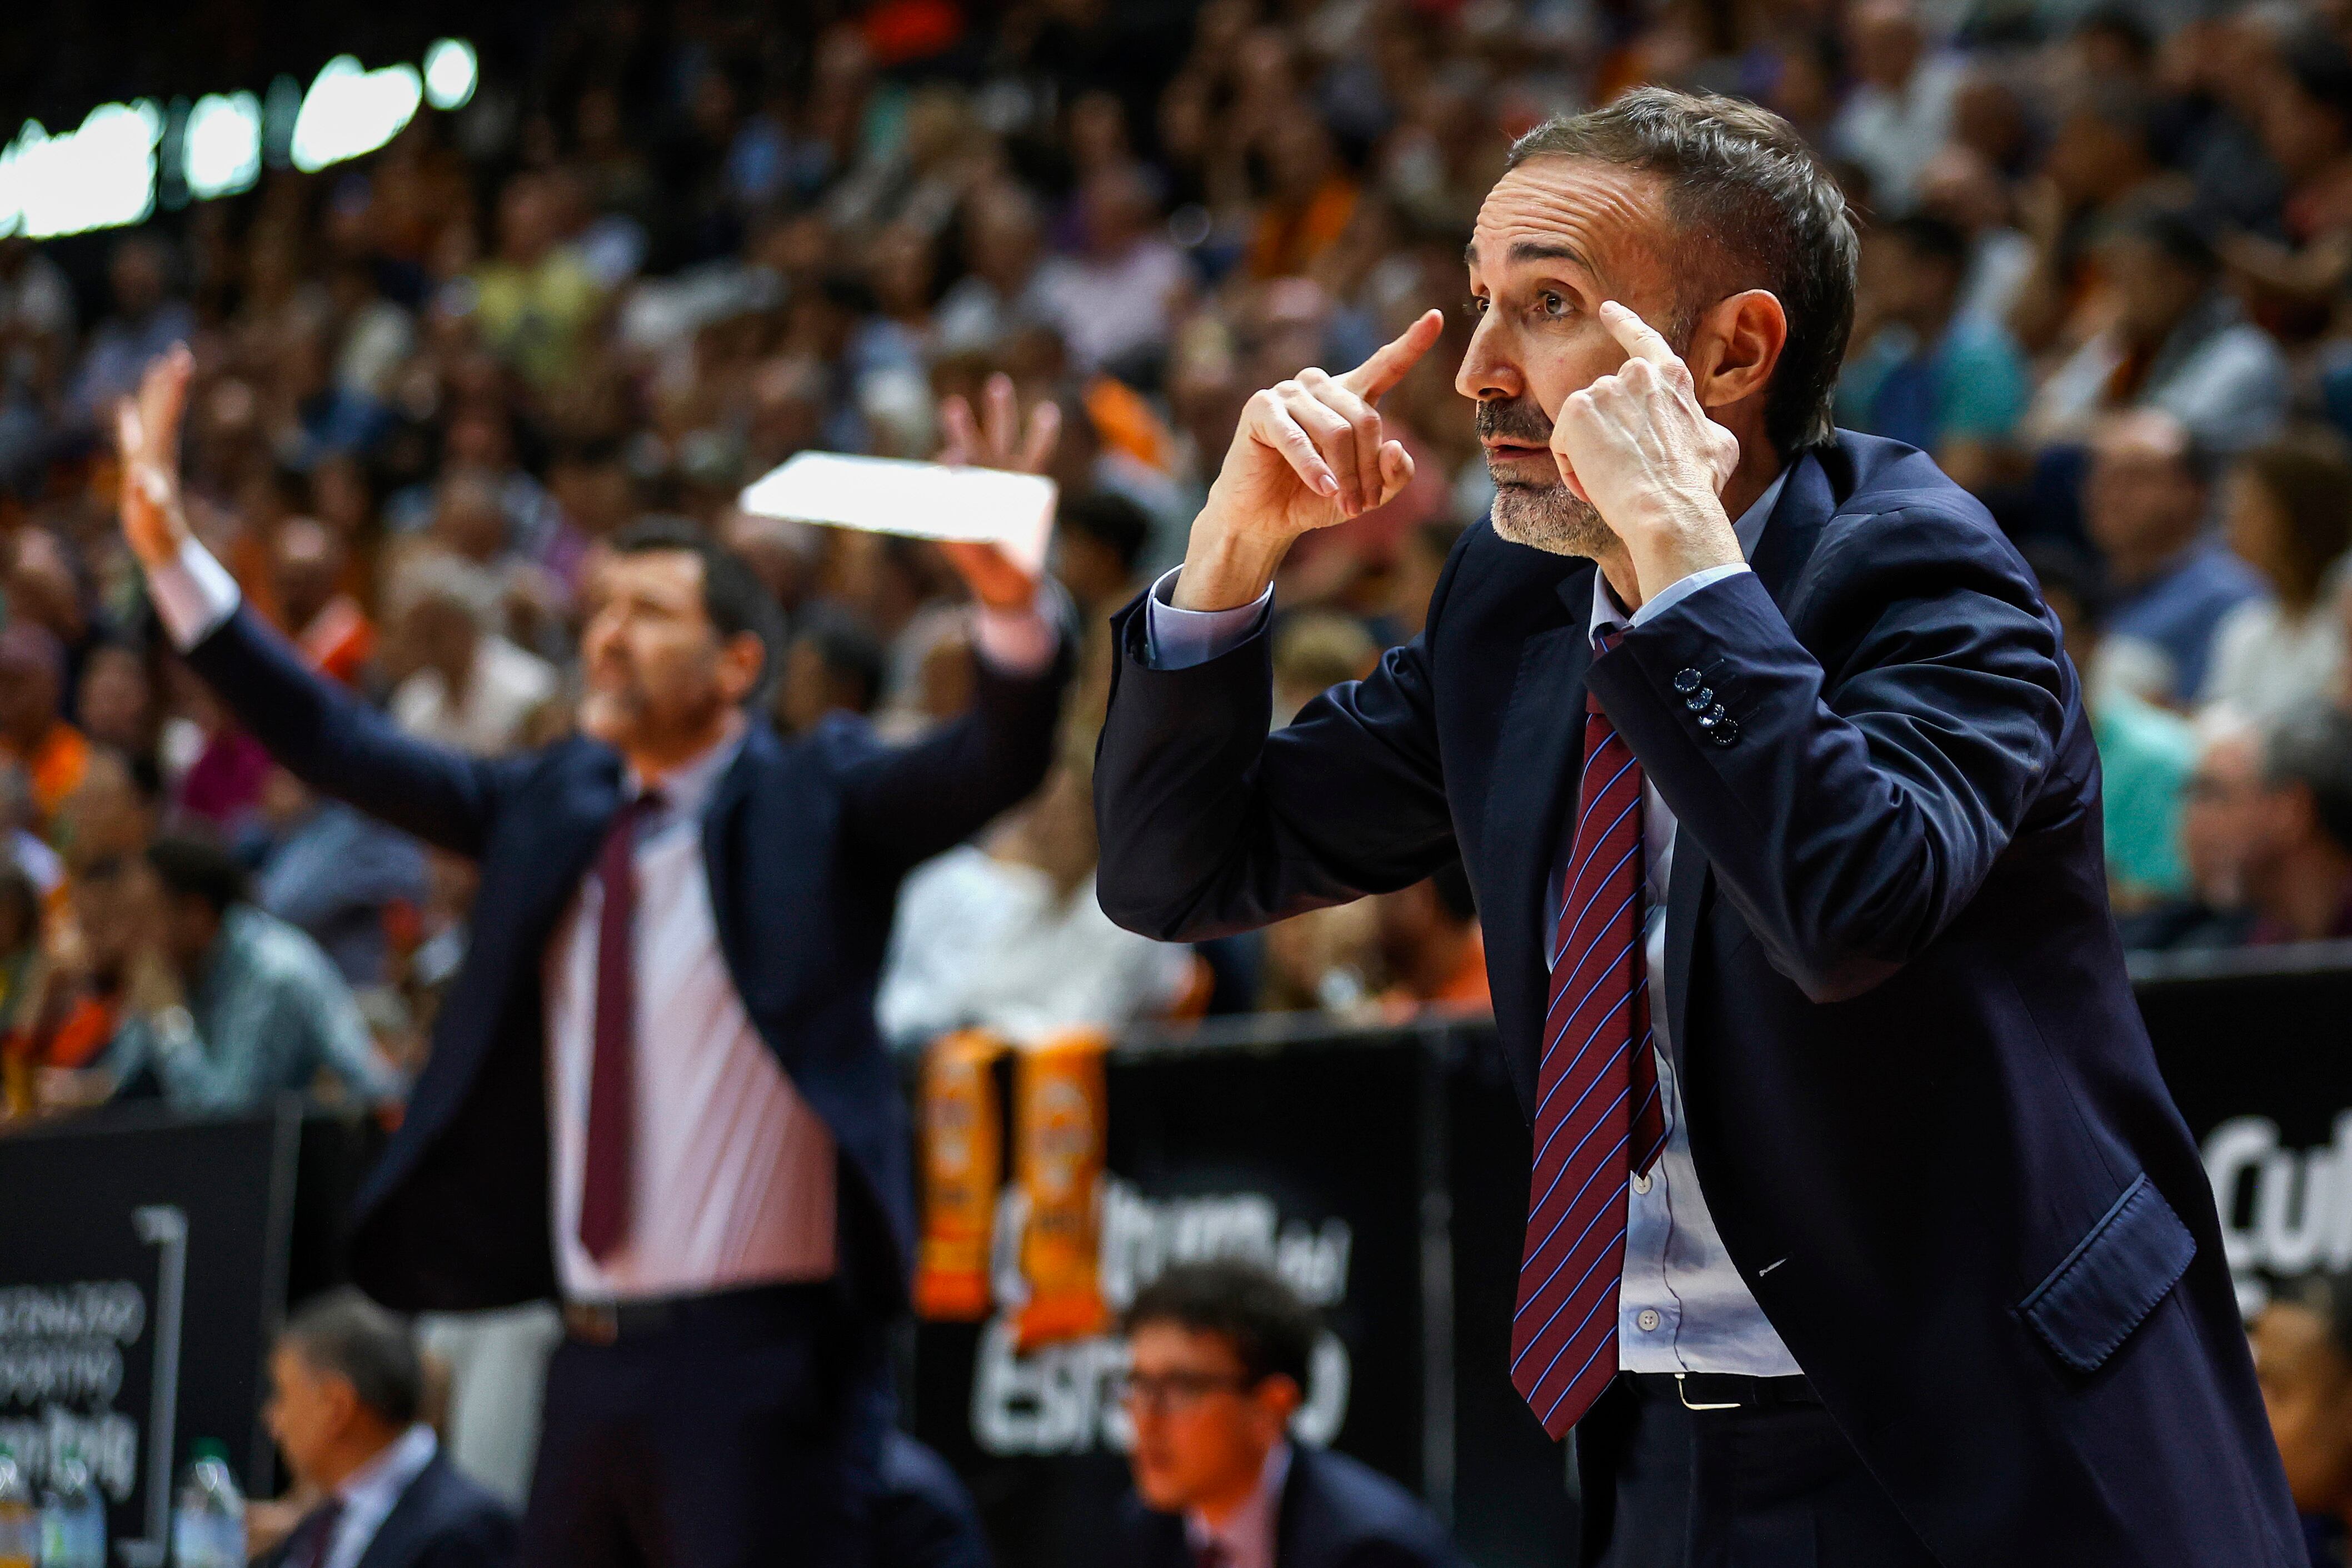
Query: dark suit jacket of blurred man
x,y
1335,1513
1918,1093
442,1520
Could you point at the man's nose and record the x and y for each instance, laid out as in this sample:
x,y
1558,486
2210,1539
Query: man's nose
x,y
1488,374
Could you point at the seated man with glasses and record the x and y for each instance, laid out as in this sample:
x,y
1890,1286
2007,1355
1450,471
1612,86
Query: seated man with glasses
x,y
1221,1353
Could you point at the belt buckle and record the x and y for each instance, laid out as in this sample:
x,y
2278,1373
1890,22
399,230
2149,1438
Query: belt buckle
x,y
597,1322
1684,1397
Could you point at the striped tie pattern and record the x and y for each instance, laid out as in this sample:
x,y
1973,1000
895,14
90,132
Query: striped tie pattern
x,y
1597,1097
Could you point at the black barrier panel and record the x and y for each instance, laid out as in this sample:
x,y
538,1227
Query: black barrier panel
x,y
141,1262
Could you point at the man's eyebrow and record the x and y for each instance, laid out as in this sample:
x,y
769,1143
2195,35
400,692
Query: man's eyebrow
x,y
1549,250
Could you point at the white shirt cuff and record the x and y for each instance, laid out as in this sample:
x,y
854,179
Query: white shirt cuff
x,y
1682,588
193,594
1022,643
1179,640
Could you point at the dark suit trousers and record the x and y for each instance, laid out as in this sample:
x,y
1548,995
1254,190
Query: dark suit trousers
x,y
746,1433
1775,1486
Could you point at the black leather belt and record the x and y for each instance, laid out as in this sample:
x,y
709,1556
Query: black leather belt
x,y
609,1323
1723,1390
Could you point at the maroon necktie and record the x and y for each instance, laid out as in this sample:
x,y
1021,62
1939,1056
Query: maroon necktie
x,y
1597,1093
314,1538
612,1081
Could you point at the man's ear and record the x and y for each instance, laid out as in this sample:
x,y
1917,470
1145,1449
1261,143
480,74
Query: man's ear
x,y
742,658
1736,346
1278,1396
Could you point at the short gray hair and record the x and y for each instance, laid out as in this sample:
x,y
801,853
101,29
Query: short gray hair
x,y
345,1335
1741,179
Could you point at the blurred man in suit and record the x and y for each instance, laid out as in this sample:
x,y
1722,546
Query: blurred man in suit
x,y
1220,1355
656,1091
345,1385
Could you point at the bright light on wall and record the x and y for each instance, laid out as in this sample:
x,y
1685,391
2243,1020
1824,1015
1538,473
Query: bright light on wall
x,y
224,145
451,71
349,112
101,175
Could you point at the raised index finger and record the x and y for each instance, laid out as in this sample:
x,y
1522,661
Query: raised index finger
x,y
1377,375
1636,336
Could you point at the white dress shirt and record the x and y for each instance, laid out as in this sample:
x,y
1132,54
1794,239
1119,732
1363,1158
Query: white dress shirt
x,y
1684,1306
732,1175
1248,1536
370,1493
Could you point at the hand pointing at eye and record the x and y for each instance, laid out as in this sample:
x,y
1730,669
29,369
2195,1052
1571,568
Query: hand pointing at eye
x,y
1638,446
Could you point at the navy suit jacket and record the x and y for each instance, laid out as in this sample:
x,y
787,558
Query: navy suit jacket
x,y
442,1520
1920,1097
805,841
1335,1512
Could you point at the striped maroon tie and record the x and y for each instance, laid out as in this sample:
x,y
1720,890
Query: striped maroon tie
x,y
1597,1088
610,1146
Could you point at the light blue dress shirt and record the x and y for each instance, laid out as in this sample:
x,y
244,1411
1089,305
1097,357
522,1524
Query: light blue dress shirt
x,y
1684,1306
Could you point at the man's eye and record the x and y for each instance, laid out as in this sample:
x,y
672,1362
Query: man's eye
x,y
1474,306
1552,305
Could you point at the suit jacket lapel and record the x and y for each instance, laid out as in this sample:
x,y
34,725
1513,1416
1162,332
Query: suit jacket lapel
x,y
1534,787
401,1538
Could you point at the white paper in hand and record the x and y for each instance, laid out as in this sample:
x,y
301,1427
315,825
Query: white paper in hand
x,y
923,501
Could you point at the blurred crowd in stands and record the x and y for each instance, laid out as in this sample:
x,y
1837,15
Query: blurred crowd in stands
x,y
2106,272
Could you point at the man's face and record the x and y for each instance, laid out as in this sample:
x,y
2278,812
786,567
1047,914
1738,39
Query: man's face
x,y
2140,496
2153,291
2222,818
655,667
1555,238
2307,1389
1201,1435
307,1412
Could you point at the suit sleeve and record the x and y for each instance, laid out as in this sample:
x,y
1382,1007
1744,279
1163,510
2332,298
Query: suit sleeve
x,y
906,803
1210,825
342,747
1850,814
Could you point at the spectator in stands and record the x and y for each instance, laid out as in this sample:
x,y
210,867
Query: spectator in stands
x,y
2221,814
2144,505
464,684
1314,651
1901,108
2299,871
1114,299
2289,506
2179,343
833,664
1007,934
308,568
225,1006
2147,753
2303,1356
1431,950
25,850
347,1390
33,733
1220,1360
1098,542
333,873
145,321
1947,383
116,700
20,948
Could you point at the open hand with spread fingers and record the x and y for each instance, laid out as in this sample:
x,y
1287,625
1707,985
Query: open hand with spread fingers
x,y
1640,448
1310,452
996,440
147,437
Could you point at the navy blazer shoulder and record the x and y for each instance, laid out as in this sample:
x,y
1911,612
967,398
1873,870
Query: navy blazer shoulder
x,y
1335,1512
445,1520
1928,1118
805,841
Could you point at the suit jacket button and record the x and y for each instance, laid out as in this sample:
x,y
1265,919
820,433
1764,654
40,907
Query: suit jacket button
x,y
1698,700
1711,718
1686,680
1725,732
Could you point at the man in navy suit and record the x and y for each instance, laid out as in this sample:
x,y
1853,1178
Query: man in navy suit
x,y
345,1386
1859,1228
656,1091
1221,1353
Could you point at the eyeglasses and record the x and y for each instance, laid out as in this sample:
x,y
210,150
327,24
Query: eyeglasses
x,y
1177,1393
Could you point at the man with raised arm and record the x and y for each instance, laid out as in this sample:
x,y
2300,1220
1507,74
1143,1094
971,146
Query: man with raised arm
x,y
655,1093
1860,1230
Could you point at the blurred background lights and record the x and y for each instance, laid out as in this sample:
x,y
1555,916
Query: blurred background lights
x,y
350,112
224,145
451,72
101,175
